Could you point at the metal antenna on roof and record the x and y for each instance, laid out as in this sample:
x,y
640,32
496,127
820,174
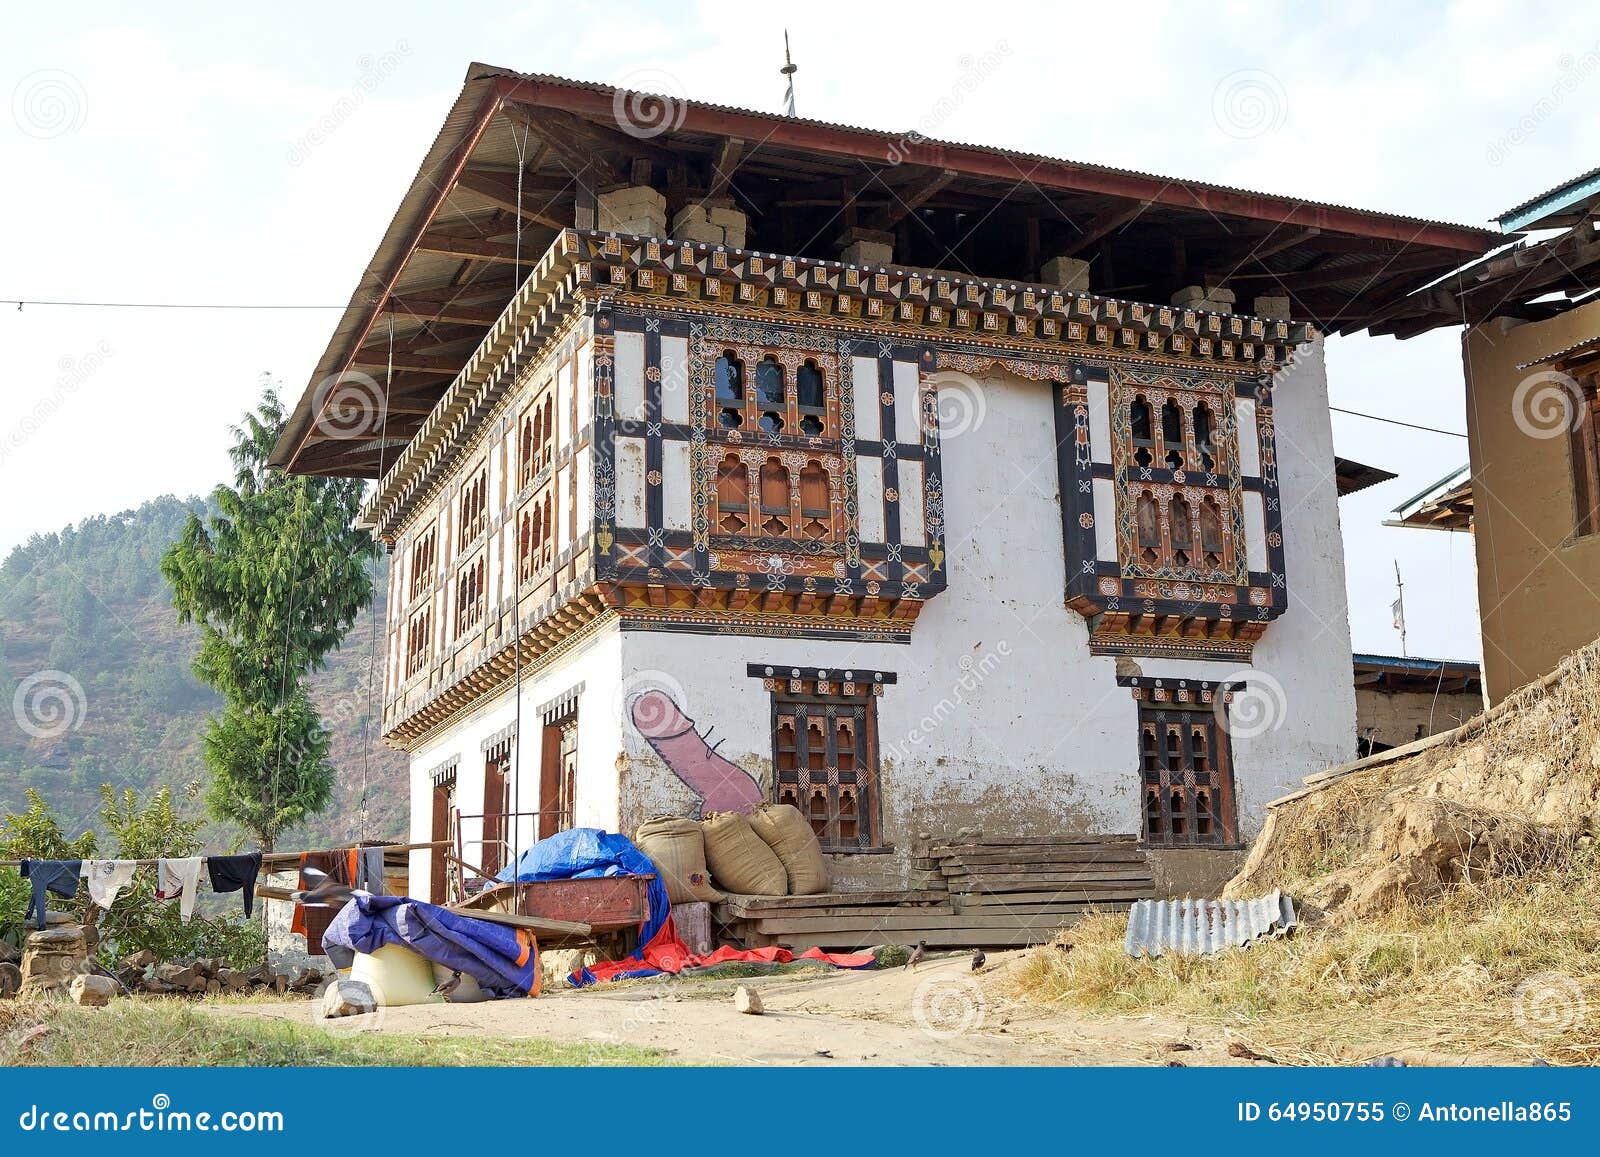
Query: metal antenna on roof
x,y
789,69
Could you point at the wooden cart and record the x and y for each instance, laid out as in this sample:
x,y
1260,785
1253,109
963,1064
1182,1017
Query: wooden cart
x,y
604,911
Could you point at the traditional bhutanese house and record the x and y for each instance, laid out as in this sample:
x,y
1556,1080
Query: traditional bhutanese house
x,y
1531,356
925,486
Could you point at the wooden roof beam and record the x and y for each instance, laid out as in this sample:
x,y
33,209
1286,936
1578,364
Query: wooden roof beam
x,y
443,311
1101,226
907,199
453,244
726,164
501,192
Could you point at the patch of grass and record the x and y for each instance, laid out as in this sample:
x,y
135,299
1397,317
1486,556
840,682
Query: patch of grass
x,y
1507,970
169,1032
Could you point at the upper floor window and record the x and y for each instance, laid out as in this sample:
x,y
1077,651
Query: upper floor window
x,y
1177,482
471,595
789,398
536,439
419,640
422,562
536,540
798,506
474,509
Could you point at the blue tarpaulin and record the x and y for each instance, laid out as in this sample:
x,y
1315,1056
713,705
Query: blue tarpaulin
x,y
504,961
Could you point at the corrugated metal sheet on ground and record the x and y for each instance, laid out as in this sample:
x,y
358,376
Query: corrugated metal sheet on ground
x,y
1205,927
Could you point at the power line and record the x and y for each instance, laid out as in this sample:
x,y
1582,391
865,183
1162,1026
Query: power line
x,y
20,302
1396,422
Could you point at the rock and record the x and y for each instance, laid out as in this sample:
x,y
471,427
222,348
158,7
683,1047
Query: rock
x,y
747,1000
139,961
92,991
51,958
155,986
177,975
10,980
8,954
232,979
347,998
305,980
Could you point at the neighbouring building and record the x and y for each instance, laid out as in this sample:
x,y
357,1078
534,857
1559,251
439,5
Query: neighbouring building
x,y
1401,699
1531,356
726,455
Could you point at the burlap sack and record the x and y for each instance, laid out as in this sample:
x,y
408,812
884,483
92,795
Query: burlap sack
x,y
740,860
677,848
783,829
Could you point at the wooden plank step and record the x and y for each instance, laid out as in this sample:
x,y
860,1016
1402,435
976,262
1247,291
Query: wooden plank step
x,y
1052,871
941,938
1038,841
1048,884
829,913
1076,895
1048,855
840,899
896,927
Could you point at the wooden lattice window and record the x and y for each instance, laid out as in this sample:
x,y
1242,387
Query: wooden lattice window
x,y
777,476
536,440
1585,449
1186,772
474,509
422,562
825,761
1176,465
536,539
470,595
419,640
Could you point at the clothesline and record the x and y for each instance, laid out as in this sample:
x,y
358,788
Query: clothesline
x,y
273,860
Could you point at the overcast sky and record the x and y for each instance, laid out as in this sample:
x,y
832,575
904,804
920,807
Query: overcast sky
x,y
198,154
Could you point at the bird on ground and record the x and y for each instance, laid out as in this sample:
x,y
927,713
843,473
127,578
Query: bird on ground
x,y
446,987
978,960
917,954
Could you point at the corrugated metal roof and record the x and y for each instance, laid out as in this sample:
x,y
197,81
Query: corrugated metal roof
x,y
1205,927
1576,188
920,140
1584,346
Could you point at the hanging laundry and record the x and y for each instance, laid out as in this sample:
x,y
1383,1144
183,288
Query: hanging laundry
x,y
59,876
179,880
369,870
312,920
107,878
234,874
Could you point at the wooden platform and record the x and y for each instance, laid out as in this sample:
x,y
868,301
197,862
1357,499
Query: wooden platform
x,y
998,893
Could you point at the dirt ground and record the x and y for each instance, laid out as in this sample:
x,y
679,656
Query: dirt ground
x,y
940,1014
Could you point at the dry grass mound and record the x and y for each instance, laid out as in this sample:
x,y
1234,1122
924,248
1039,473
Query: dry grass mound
x,y
1514,791
1497,972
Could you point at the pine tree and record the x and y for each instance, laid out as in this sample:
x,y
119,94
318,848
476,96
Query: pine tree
x,y
274,578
